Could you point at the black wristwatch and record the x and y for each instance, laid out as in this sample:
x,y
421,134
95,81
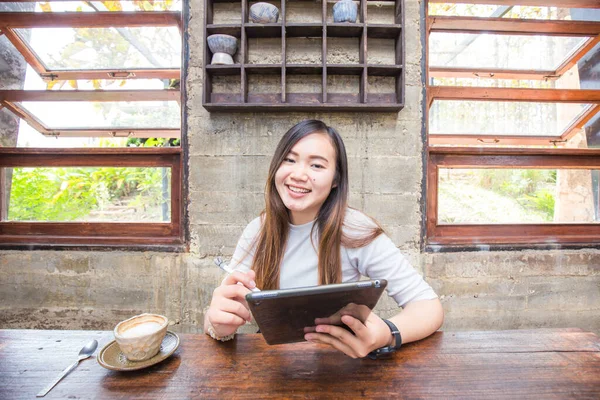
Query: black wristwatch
x,y
387,350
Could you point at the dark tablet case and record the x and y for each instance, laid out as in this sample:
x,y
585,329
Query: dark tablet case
x,y
282,314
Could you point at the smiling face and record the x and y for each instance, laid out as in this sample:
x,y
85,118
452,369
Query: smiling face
x,y
306,176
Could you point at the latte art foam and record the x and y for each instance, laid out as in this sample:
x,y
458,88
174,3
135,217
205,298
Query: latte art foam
x,y
142,329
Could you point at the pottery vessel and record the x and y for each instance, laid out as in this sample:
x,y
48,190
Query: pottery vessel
x,y
263,13
345,11
140,337
223,48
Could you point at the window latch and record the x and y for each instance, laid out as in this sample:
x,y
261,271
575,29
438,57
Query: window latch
x,y
121,75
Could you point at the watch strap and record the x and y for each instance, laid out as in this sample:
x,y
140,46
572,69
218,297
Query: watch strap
x,y
388,349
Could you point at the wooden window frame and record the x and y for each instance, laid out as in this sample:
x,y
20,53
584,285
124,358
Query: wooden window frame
x,y
162,236
518,95
9,21
96,233
494,234
9,98
443,151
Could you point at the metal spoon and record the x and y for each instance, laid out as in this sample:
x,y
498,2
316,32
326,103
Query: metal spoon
x,y
85,352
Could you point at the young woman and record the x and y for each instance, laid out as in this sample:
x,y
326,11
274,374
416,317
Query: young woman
x,y
308,236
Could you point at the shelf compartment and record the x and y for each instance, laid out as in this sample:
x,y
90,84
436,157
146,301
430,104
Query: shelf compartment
x,y
304,11
383,12
263,83
305,51
360,16
303,30
383,85
384,52
344,50
261,50
384,31
344,30
263,30
227,29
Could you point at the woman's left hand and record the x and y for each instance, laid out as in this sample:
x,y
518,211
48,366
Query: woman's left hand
x,y
369,335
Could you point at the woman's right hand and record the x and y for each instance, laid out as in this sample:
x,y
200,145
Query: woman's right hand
x,y
228,309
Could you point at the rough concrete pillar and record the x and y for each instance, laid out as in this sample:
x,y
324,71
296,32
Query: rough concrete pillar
x,y
12,76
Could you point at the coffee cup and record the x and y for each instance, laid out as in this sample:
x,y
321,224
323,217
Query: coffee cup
x,y
140,337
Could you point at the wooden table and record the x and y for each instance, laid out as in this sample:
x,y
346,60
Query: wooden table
x,y
537,364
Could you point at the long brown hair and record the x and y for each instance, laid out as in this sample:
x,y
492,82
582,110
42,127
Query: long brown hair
x,y
272,238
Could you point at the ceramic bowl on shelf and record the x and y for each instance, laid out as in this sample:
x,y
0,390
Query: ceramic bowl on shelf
x,y
263,13
223,48
140,337
345,11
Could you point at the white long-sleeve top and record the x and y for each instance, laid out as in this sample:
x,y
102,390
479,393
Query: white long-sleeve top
x,y
380,259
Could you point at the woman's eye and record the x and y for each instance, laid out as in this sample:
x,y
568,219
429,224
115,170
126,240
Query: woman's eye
x,y
289,160
318,166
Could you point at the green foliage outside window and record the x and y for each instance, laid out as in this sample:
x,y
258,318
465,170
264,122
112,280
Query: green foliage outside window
x,y
532,188
70,194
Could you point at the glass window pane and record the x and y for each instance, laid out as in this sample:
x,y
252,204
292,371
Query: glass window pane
x,y
99,194
488,10
29,137
105,48
567,81
520,52
513,196
502,117
79,114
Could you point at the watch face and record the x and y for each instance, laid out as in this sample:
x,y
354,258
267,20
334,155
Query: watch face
x,y
381,352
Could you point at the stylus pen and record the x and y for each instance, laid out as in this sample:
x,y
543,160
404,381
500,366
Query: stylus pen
x,y
221,264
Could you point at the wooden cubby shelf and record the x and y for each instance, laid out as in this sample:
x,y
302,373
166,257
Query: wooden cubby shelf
x,y
277,80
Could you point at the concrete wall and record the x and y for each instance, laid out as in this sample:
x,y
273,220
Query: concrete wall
x,y
229,156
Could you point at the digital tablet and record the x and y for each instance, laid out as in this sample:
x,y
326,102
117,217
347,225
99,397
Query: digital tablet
x,y
282,315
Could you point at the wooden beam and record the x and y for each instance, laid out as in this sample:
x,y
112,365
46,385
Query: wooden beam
x,y
115,132
578,55
494,140
516,151
101,19
507,26
536,3
91,230
431,204
89,157
491,73
446,234
23,114
25,50
513,94
53,75
578,123
89,95
508,158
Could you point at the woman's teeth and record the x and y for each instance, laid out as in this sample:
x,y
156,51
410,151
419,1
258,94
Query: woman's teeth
x,y
298,190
